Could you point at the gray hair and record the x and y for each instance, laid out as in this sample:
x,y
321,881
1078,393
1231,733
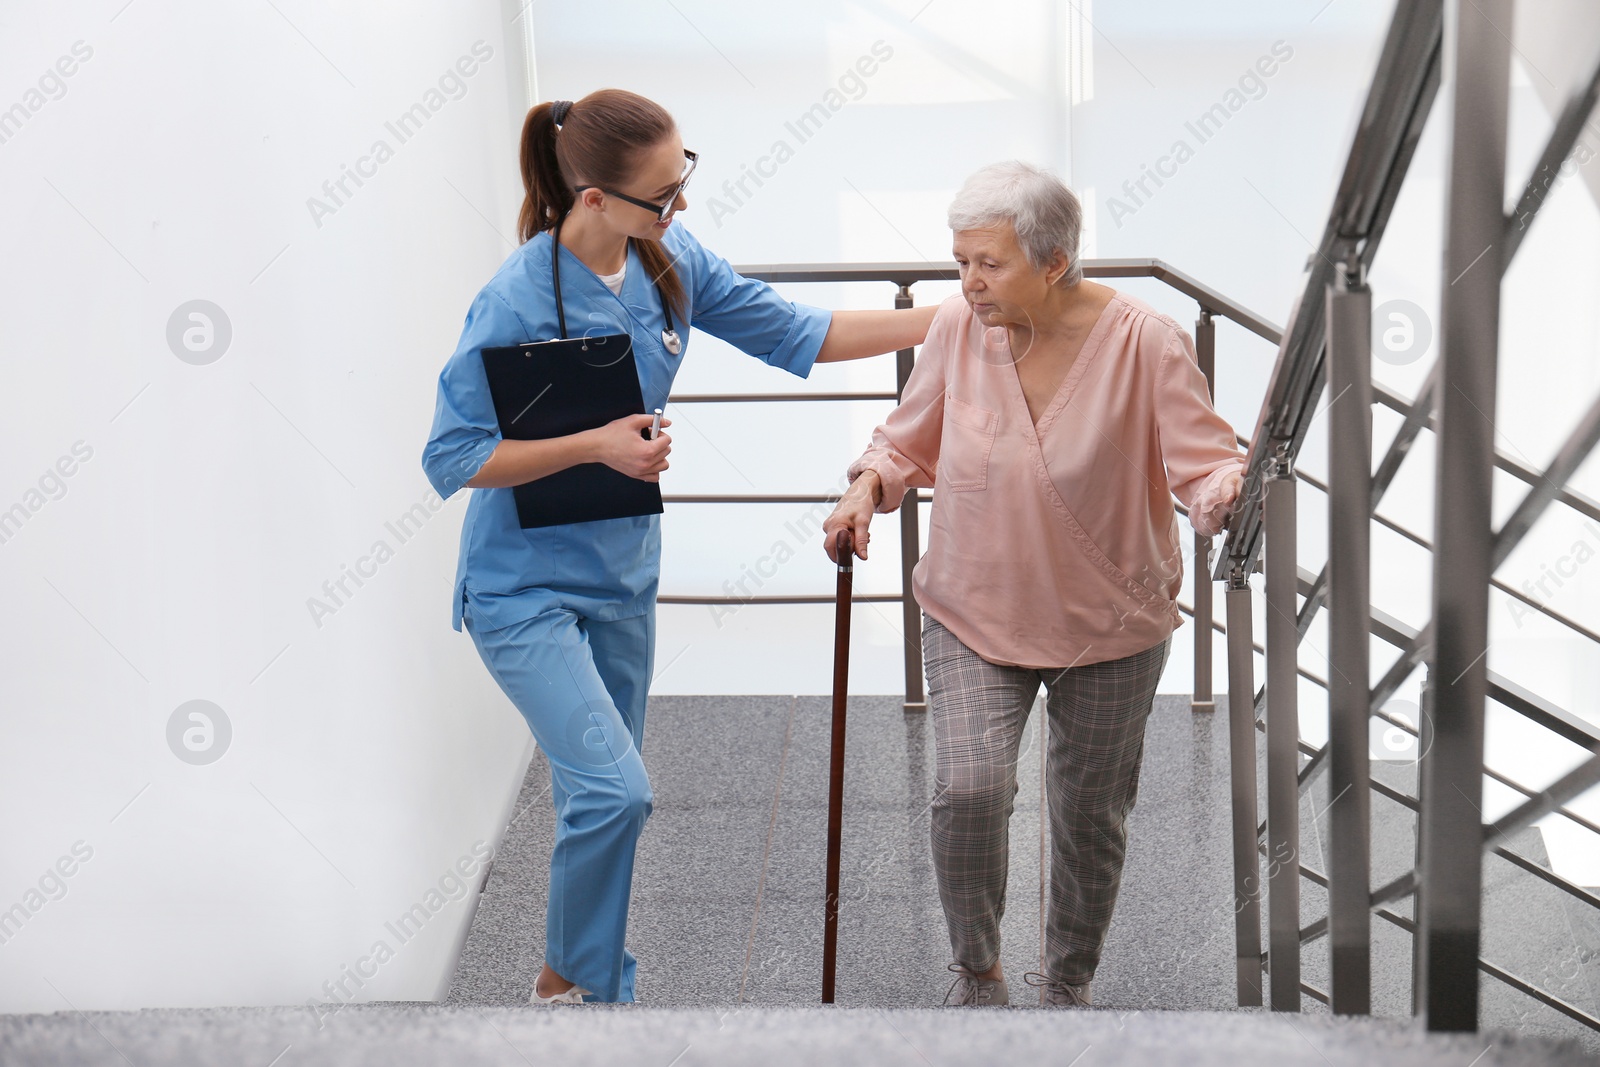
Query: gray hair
x,y
1045,214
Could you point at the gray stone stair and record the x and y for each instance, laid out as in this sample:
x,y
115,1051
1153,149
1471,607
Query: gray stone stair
x,y
402,1035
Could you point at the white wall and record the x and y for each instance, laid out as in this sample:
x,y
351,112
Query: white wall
x,y
208,502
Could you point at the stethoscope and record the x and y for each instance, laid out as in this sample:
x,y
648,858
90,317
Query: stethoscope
x,y
669,336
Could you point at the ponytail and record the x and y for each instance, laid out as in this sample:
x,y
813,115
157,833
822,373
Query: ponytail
x,y
600,138
547,196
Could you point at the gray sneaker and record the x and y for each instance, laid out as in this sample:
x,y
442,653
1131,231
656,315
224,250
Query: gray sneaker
x,y
1059,994
968,990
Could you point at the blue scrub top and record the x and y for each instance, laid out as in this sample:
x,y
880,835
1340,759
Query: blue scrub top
x,y
607,569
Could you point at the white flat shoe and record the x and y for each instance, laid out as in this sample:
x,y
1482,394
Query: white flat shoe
x,y
571,996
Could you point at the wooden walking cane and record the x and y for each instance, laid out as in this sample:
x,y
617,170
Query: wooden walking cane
x,y
844,551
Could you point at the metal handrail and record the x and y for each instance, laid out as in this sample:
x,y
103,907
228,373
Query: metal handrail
x,y
1327,342
1391,124
906,274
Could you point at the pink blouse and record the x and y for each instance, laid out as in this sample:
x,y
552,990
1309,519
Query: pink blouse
x,y
1056,546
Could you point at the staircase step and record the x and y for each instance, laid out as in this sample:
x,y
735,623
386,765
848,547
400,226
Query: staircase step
x,y
399,1035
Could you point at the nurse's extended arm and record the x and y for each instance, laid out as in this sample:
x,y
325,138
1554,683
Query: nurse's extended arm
x,y
617,444
751,316
854,334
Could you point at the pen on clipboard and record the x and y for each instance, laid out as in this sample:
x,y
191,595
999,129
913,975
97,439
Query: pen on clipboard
x,y
655,425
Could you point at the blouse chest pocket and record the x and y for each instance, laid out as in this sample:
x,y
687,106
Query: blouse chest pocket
x,y
968,439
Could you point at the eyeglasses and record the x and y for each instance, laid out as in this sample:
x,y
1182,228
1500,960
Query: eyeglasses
x,y
661,210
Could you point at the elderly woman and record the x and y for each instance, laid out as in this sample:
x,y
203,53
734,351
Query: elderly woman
x,y
1054,418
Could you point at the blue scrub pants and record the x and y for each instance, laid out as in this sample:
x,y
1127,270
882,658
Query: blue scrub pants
x,y
581,685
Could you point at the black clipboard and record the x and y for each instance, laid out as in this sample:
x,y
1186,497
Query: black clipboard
x,y
546,389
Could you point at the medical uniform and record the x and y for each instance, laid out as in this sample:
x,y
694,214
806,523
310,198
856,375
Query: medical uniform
x,y
564,616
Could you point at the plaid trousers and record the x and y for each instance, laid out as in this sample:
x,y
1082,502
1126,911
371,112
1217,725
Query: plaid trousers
x,y
1097,714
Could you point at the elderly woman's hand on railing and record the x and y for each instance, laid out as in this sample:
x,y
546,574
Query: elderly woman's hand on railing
x,y
1232,486
853,513
1214,504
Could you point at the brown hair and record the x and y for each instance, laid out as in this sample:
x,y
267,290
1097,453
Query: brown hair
x,y
600,142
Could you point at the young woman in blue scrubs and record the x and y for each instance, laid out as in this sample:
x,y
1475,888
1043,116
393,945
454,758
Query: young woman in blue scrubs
x,y
564,616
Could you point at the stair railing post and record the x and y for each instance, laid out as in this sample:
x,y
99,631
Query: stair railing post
x,y
1349,363
1424,742
1242,780
1478,58
910,546
1283,736
1202,698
